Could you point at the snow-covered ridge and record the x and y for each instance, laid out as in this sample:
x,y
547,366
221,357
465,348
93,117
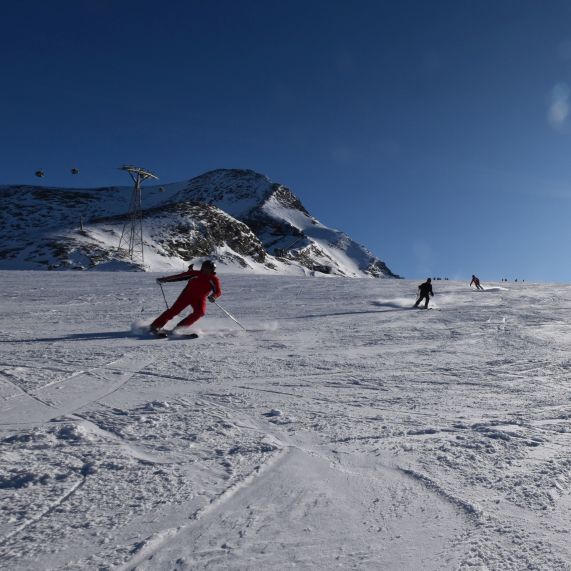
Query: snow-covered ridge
x,y
238,217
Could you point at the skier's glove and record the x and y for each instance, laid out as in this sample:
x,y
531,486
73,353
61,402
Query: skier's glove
x,y
159,280
211,298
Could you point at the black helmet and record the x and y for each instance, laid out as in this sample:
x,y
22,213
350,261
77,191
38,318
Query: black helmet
x,y
208,265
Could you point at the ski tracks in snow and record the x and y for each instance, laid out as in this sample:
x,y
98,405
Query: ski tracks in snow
x,y
364,438
59,399
302,509
311,506
63,397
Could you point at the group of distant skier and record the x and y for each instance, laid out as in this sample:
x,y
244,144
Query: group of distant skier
x,y
204,285
425,290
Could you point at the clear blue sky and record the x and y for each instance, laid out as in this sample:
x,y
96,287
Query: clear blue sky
x,y
437,133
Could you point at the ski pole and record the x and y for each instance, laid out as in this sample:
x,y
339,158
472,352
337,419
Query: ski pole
x,y
164,296
230,316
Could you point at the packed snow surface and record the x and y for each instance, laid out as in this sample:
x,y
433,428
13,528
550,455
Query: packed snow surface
x,y
343,429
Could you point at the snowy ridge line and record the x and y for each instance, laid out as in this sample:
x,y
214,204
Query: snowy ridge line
x,y
59,381
157,375
47,512
146,548
53,369
129,449
246,481
467,507
359,379
388,409
320,399
420,432
79,394
77,374
299,378
23,392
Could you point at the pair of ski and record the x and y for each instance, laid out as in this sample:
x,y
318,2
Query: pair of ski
x,y
164,334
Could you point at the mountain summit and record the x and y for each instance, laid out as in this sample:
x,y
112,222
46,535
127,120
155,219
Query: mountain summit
x,y
240,218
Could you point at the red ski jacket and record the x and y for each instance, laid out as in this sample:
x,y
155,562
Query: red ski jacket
x,y
200,285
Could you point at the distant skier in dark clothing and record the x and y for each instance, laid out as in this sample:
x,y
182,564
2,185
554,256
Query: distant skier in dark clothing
x,y
425,290
476,282
202,285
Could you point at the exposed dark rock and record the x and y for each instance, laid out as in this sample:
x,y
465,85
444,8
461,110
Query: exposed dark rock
x,y
237,216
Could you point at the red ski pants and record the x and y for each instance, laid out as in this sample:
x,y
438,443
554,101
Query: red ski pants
x,y
198,311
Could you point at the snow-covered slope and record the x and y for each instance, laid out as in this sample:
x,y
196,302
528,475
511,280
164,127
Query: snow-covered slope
x,y
238,217
368,436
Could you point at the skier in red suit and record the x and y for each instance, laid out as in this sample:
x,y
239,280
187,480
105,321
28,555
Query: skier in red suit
x,y
201,285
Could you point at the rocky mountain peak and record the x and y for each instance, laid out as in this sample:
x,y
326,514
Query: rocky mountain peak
x,y
238,217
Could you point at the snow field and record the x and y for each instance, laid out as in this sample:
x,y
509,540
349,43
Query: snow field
x,y
342,430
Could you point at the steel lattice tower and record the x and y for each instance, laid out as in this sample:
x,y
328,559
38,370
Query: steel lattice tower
x,y
132,234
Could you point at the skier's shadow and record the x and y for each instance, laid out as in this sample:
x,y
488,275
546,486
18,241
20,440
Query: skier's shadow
x,y
342,313
77,337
